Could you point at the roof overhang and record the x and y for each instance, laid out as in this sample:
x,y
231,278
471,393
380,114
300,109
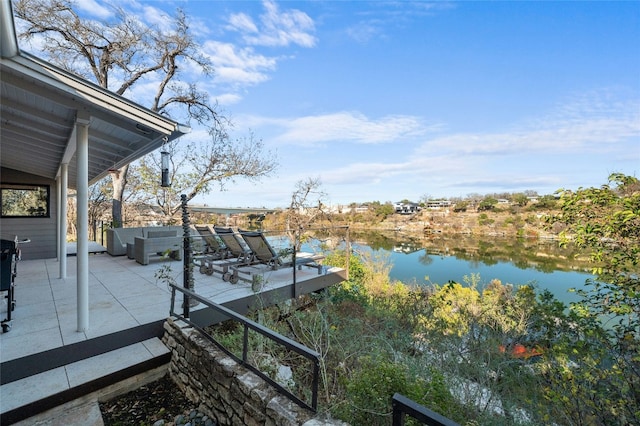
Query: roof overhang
x,y
41,103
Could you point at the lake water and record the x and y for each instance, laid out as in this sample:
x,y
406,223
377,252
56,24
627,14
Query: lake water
x,y
441,259
440,269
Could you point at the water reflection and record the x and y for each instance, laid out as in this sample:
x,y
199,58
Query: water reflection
x,y
425,259
541,255
440,258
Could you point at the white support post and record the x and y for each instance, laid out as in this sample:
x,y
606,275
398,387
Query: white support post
x,y
62,220
58,198
82,157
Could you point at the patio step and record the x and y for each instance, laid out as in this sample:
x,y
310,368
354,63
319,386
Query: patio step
x,y
96,368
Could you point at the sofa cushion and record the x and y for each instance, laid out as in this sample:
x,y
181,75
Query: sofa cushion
x,y
128,235
159,234
118,238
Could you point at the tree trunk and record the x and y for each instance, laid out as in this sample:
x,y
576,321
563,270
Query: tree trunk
x,y
119,182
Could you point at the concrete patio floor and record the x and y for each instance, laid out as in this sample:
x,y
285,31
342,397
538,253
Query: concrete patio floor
x,y
123,295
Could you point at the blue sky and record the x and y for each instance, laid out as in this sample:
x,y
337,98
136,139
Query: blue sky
x,y
392,100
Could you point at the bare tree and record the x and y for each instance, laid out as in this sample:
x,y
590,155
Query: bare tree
x,y
121,53
307,206
425,198
196,168
98,205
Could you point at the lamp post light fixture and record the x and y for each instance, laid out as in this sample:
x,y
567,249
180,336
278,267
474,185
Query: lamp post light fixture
x,y
164,164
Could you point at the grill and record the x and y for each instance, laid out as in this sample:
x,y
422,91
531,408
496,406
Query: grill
x,y
9,255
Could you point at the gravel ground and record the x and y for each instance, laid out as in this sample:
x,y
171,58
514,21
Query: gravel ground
x,y
155,404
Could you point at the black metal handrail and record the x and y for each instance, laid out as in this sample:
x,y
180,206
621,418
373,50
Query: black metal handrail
x,y
292,345
404,406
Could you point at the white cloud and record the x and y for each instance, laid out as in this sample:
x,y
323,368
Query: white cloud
x,y
506,181
578,126
344,126
154,16
409,166
243,23
237,66
363,173
364,31
276,28
93,8
541,154
383,16
200,27
227,98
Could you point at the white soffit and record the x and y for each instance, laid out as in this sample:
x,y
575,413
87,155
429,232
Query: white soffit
x,y
39,105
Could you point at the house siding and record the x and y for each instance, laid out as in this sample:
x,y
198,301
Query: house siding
x,y
41,231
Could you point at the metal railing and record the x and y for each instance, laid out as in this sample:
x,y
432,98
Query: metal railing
x,y
289,344
404,406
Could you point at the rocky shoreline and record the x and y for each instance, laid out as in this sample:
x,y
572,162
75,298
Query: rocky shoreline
x,y
501,224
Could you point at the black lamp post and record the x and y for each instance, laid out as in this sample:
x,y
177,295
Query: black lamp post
x,y
164,164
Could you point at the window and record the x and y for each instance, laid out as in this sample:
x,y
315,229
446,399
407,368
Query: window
x,y
24,200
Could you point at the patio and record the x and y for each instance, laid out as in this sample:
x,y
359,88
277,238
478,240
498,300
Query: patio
x,y
46,361
101,324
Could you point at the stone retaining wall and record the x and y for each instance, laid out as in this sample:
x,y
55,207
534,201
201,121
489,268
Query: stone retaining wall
x,y
223,389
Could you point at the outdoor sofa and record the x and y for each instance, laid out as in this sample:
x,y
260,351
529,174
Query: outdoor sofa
x,y
158,243
119,238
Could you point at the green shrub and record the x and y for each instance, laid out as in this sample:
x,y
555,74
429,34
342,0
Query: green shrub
x,y
371,387
483,219
354,288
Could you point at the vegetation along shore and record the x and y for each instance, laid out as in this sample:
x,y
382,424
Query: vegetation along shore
x,y
494,354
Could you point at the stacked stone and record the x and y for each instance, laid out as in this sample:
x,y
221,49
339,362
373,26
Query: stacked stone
x,y
223,389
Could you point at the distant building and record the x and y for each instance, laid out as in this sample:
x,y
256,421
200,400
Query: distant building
x,y
406,208
438,204
339,208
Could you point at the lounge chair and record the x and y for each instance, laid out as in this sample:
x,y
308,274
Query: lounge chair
x,y
233,244
213,250
236,255
264,253
213,246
